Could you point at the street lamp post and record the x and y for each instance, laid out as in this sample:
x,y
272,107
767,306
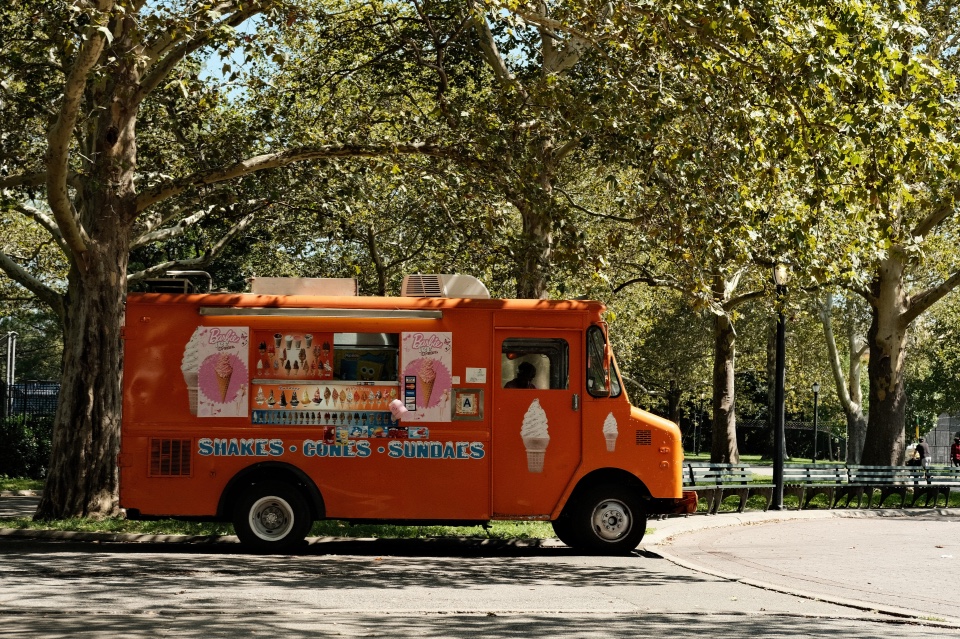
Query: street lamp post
x,y
816,395
779,410
696,438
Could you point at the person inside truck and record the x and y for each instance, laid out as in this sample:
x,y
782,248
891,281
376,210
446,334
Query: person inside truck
x,y
524,379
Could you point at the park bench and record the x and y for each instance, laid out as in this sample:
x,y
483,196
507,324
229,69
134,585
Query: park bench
x,y
941,480
716,482
862,481
806,481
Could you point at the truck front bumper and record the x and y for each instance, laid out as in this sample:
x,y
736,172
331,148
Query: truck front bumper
x,y
686,505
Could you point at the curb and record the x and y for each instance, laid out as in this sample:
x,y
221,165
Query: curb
x,y
101,537
21,493
355,543
662,536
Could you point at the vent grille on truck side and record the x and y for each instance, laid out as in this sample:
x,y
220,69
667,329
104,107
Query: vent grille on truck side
x,y
644,438
170,457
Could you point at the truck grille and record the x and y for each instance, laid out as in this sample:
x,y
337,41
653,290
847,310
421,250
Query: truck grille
x,y
170,457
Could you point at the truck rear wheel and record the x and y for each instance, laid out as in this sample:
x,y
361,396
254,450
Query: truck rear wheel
x,y
608,519
272,516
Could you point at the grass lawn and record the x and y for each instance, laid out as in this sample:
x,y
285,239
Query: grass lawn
x,y
16,483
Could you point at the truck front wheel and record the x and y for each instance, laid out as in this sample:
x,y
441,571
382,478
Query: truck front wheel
x,y
272,516
608,519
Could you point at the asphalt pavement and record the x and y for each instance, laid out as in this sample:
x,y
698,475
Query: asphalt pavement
x,y
891,563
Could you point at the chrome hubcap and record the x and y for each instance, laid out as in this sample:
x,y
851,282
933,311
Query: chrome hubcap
x,y
611,520
271,518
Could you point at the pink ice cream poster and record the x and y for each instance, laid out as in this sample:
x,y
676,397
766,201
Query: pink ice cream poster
x,y
223,371
427,380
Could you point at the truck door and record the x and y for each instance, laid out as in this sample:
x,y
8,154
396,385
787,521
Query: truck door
x,y
536,438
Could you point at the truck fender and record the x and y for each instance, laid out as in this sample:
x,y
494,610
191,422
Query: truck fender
x,y
270,471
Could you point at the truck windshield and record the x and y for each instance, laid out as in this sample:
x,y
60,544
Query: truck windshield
x,y
596,362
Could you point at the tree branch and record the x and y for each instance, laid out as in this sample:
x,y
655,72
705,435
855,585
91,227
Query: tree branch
x,y
208,256
283,158
734,302
48,223
170,232
59,136
922,301
180,50
938,215
43,292
25,179
651,280
489,49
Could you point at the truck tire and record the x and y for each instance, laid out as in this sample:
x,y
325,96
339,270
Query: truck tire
x,y
563,528
607,519
272,516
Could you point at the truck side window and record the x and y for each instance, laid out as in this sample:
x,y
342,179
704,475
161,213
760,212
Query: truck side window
x,y
596,374
535,363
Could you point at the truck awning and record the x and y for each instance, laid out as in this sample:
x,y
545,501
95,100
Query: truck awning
x,y
319,312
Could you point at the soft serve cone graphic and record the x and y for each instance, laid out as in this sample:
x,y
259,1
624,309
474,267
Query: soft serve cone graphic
x,y
535,436
610,432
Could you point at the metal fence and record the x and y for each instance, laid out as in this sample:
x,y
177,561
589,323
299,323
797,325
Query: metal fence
x,y
29,398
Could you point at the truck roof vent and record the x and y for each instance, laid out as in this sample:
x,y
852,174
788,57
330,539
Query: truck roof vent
x,y
463,286
337,287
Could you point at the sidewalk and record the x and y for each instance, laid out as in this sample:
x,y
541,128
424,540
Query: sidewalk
x,y
897,562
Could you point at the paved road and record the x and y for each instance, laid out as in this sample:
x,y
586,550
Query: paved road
x,y
370,588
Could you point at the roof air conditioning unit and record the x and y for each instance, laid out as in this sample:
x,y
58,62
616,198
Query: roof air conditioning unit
x,y
337,287
462,286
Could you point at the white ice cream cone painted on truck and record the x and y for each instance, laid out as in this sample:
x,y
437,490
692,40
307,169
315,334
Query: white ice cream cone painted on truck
x,y
190,368
610,432
535,436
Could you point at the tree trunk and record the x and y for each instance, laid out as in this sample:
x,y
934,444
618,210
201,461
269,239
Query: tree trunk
x,y
885,441
674,396
724,449
856,420
82,474
535,252
856,433
848,388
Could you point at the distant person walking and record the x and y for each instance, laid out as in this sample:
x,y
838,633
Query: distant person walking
x,y
923,452
955,452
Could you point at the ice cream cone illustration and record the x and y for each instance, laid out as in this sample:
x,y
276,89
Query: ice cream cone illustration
x,y
224,371
190,366
427,376
610,432
535,436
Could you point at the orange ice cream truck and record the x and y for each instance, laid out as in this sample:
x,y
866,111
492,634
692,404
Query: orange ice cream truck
x,y
302,401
